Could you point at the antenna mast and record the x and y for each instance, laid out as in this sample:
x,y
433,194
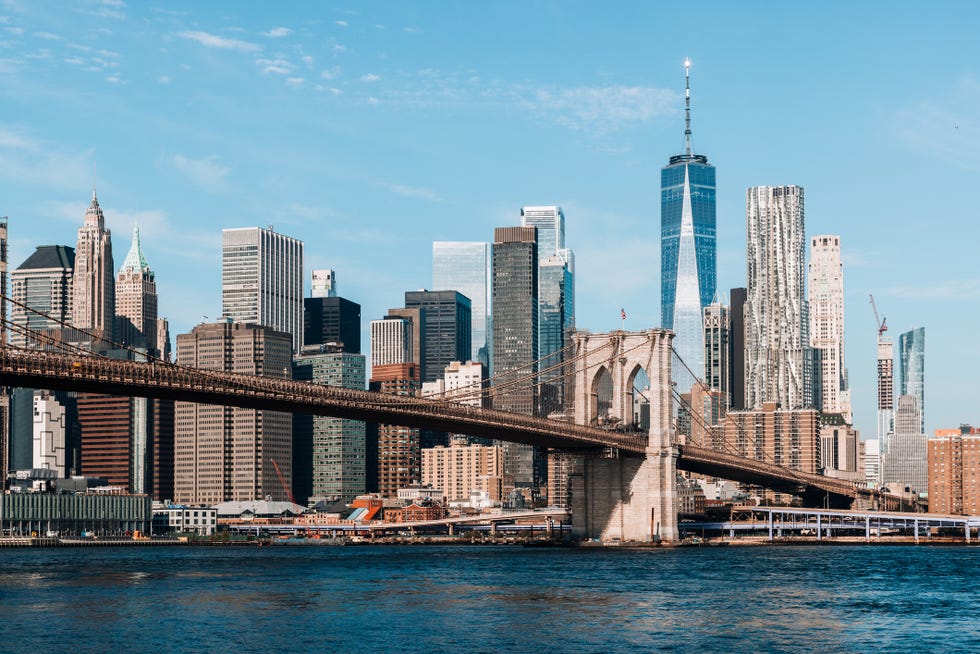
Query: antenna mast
x,y
687,107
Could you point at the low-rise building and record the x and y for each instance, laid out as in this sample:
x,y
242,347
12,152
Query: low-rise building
x,y
74,514
181,519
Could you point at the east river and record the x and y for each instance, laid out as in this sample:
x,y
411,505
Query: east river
x,y
490,599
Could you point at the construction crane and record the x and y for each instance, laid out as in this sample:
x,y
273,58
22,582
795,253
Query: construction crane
x,y
879,322
282,481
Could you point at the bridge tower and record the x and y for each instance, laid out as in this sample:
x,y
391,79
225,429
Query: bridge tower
x,y
617,497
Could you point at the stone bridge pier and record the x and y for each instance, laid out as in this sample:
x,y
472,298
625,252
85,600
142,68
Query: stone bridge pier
x,y
619,497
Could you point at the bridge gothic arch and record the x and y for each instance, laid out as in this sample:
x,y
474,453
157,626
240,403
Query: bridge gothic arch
x,y
622,356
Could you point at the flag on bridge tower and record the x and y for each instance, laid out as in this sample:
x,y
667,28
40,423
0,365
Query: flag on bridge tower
x,y
622,314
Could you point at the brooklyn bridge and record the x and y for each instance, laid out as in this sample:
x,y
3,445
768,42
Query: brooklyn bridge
x,y
603,453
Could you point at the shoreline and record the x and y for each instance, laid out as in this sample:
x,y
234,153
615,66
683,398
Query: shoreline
x,y
39,542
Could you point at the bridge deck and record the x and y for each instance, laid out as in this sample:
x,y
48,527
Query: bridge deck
x,y
39,369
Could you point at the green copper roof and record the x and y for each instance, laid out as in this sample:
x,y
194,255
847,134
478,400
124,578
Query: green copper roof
x,y
135,259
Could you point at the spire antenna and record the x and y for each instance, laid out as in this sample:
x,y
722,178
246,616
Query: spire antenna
x,y
95,177
687,106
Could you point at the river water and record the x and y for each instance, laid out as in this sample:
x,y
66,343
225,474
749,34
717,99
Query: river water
x,y
490,599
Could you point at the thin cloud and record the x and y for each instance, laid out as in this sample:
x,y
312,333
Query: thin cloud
x,y
295,81
207,173
278,32
277,66
370,77
28,161
330,73
219,42
342,23
603,109
411,191
959,289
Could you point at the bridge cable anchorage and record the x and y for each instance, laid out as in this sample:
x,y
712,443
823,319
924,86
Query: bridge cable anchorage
x,y
704,426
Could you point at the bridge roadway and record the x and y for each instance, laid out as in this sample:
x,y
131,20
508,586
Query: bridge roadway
x,y
38,369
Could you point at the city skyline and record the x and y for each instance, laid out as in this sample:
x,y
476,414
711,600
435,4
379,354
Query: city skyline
x,y
164,153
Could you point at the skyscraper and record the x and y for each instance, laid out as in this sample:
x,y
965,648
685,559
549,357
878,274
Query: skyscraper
x,y
94,301
447,329
42,289
515,327
136,300
332,319
736,314
226,453
687,250
515,337
905,463
912,368
717,333
328,453
826,293
324,283
391,341
886,391
465,267
262,280
777,342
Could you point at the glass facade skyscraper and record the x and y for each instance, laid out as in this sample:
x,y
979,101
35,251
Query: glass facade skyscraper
x,y
446,330
556,297
688,248
464,266
912,369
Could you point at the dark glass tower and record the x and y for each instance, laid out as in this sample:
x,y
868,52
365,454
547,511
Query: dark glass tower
x,y
688,250
332,320
447,331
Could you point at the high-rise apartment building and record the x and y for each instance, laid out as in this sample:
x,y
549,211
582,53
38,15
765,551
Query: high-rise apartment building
x,y
328,453
789,438
826,293
838,446
515,337
912,368
777,342
717,350
872,462
93,301
954,471
399,449
905,463
465,267
332,319
462,468
42,289
227,453
262,280
688,248
136,300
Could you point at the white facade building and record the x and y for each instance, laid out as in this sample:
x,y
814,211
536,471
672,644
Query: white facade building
x,y
905,462
49,434
179,519
262,280
324,283
391,341
777,343
826,293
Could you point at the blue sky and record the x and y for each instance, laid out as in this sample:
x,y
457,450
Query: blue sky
x,y
368,130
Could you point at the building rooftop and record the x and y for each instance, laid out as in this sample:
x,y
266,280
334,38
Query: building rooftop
x,y
50,256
